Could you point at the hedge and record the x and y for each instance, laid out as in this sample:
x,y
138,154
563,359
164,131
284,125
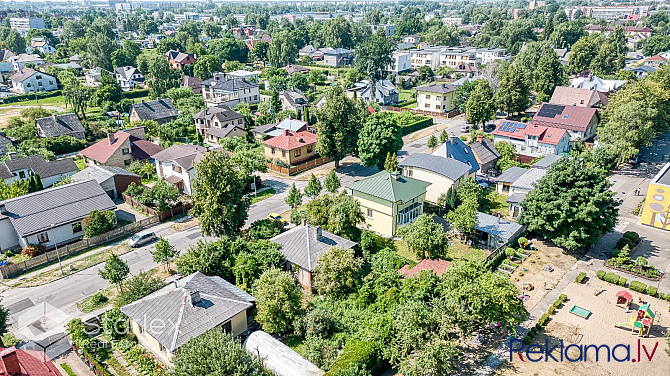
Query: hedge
x,y
637,286
580,277
31,96
600,274
136,93
413,127
652,290
355,352
611,278
543,319
622,281
632,236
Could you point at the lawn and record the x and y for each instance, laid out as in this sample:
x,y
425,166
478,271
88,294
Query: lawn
x,y
81,163
262,195
295,343
58,100
405,94
402,250
457,249
497,202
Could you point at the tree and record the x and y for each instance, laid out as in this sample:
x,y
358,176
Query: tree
x,y
278,301
98,222
313,188
4,317
582,54
444,71
220,204
164,253
338,272
373,57
108,90
549,74
167,44
275,103
260,50
229,49
161,77
114,271
15,189
210,258
656,44
257,258
205,66
444,136
480,106
391,162
282,50
336,32
332,182
216,353
294,197
337,125
426,73
379,136
464,217
14,42
424,237
344,216
100,48
114,323
462,94
513,95
566,34
571,204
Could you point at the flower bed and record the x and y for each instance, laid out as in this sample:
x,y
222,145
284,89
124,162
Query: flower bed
x,y
142,359
621,259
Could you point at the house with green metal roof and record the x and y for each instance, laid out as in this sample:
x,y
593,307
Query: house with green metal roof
x,y
389,200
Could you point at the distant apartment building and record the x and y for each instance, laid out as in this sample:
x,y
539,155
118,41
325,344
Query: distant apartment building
x,y
611,13
487,55
452,20
22,25
401,62
387,29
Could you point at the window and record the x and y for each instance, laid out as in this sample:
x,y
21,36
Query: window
x,y
125,151
42,238
409,214
437,106
427,96
427,105
22,174
127,162
309,148
76,227
283,153
141,329
227,327
39,76
39,83
161,347
28,84
273,151
439,98
369,214
176,169
410,172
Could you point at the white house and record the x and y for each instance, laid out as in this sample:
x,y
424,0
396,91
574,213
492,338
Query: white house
x,y
176,165
487,55
19,61
50,173
29,81
128,77
222,90
401,62
40,45
23,25
50,216
532,140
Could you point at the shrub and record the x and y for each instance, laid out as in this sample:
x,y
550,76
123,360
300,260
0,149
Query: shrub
x,y
633,236
138,287
538,326
624,242
637,286
98,222
264,229
652,290
615,252
562,298
551,310
622,281
661,296
600,274
542,321
32,250
667,297
580,277
611,278
527,340
509,252
355,352
523,242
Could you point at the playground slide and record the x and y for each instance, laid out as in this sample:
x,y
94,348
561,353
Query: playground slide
x,y
624,325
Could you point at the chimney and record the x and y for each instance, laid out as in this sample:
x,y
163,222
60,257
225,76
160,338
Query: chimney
x,y
286,132
53,116
10,361
12,155
110,138
142,100
194,297
480,138
3,209
315,232
395,175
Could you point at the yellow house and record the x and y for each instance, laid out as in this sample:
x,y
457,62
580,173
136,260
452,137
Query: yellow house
x,y
435,97
170,317
389,200
291,147
656,210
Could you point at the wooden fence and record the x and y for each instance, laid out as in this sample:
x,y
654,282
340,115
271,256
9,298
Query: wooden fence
x,y
294,169
162,216
7,271
447,115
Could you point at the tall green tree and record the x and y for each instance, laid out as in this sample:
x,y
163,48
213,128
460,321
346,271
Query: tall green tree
x,y
373,57
294,197
464,217
582,54
379,135
332,182
549,74
164,253
424,237
205,66
278,301
313,187
115,271
282,50
480,106
337,125
161,76
571,205
391,162
513,95
338,272
220,204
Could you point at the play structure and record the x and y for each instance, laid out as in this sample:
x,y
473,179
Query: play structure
x,y
581,312
641,322
623,299
598,290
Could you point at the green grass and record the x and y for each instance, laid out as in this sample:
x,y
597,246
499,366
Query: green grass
x,y
295,343
68,370
117,367
460,250
93,302
403,250
497,202
405,94
263,195
51,101
81,163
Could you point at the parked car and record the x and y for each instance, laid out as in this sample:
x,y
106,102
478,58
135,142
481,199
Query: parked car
x,y
489,127
465,129
482,183
142,238
276,218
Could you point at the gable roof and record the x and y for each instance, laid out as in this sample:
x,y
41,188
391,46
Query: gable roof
x,y
440,88
60,125
484,150
101,173
511,174
4,143
572,118
222,113
336,51
597,83
457,149
291,140
178,57
295,97
220,301
103,149
36,212
528,179
291,69
158,109
38,165
128,72
304,244
390,187
30,362
518,131
184,155
576,96
493,225
26,73
448,167
546,161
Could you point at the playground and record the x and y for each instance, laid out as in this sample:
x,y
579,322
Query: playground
x,y
612,317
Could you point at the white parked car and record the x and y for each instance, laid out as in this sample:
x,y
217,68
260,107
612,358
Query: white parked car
x,y
142,238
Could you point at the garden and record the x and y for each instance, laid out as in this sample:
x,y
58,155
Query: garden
x,y
621,258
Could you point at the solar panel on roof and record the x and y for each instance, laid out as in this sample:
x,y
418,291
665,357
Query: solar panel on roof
x,y
550,110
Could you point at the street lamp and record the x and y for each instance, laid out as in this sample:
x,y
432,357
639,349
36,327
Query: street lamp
x,y
58,253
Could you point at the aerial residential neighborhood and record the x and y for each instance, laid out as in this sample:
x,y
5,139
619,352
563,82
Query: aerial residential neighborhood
x,y
324,188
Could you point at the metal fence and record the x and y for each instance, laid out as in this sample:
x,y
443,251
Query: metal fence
x,y
7,271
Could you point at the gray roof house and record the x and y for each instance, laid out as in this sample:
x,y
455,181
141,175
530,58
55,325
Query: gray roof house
x,y
160,110
442,173
176,165
504,181
189,307
517,182
215,123
494,232
113,180
547,161
303,245
60,125
50,216
293,99
23,168
486,154
5,143
337,57
457,149
526,182
386,92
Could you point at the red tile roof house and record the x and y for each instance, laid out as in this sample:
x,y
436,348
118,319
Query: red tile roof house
x,y
580,122
120,149
291,147
25,363
437,266
531,140
655,61
180,59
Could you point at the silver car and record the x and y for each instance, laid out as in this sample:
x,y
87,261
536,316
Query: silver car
x,y
142,238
